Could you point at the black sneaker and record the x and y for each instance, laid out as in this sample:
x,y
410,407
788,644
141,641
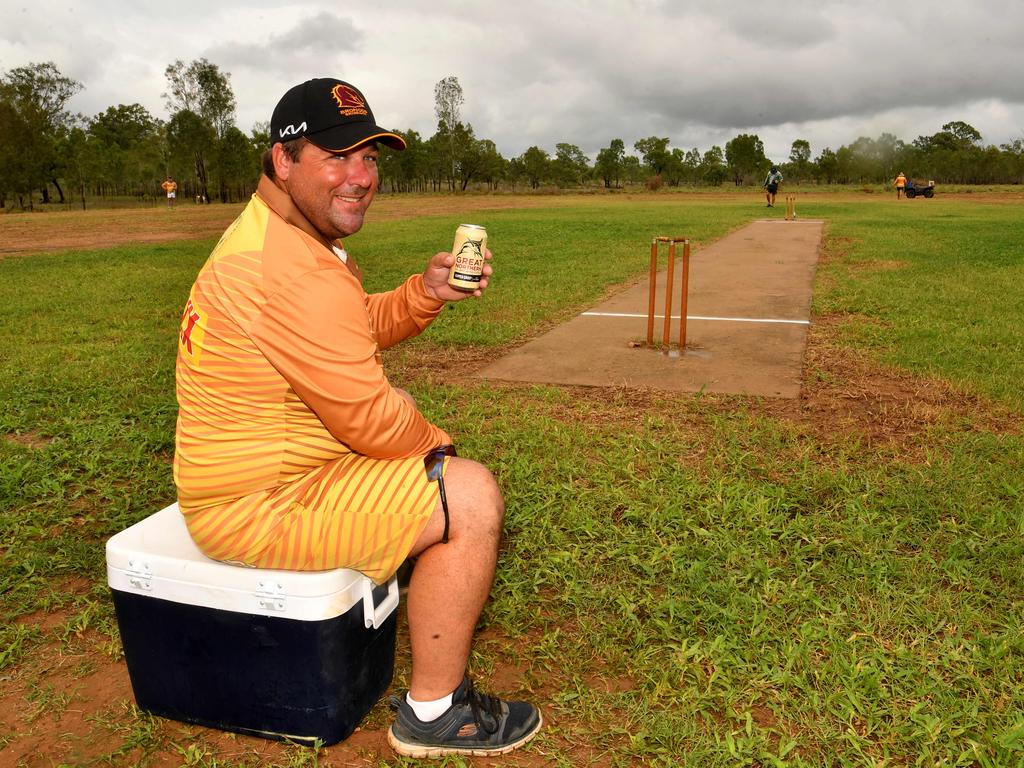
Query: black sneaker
x,y
475,724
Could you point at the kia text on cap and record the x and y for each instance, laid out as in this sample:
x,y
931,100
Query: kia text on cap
x,y
332,114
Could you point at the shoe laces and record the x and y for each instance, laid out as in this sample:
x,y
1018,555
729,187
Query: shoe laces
x,y
480,704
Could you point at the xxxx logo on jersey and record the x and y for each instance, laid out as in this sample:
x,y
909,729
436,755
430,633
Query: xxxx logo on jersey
x,y
193,329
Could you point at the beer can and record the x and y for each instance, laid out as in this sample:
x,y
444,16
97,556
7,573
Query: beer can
x,y
469,249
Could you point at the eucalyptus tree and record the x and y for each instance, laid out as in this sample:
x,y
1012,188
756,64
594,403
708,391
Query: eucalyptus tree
x,y
654,152
23,155
827,165
33,119
259,136
406,171
691,165
712,168
632,171
515,171
845,165
132,145
800,159
536,165
190,141
609,163
745,157
1013,159
468,153
570,166
956,150
85,159
238,163
436,154
448,100
493,166
675,167
201,89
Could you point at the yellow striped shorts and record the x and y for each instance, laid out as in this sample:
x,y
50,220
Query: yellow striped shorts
x,y
353,512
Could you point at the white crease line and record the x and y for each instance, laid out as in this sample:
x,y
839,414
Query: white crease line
x,y
701,317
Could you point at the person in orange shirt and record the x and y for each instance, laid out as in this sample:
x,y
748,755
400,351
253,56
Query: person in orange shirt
x,y
170,186
293,450
901,184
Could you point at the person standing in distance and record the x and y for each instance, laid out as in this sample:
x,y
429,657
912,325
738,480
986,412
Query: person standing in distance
x,y
771,185
292,448
170,186
900,182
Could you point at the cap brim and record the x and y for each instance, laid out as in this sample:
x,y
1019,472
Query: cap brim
x,y
342,138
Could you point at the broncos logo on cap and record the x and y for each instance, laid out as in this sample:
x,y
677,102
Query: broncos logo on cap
x,y
350,101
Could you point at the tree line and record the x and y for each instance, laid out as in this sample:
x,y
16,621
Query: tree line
x,y
124,151
46,152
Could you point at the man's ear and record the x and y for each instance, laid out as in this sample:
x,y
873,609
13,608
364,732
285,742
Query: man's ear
x,y
282,162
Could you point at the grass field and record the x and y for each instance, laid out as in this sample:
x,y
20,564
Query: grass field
x,y
699,580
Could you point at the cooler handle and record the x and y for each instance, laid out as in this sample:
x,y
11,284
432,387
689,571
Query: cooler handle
x,y
376,616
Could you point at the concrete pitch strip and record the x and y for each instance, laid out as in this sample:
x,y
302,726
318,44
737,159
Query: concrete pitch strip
x,y
748,312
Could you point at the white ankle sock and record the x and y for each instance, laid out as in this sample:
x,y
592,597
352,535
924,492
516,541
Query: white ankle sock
x,y
426,711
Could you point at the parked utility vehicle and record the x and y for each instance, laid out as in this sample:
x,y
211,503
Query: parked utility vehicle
x,y
915,188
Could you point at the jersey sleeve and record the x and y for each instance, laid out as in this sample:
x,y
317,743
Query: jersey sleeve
x,y
402,313
316,333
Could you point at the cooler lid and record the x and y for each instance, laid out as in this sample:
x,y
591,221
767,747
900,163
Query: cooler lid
x,y
157,557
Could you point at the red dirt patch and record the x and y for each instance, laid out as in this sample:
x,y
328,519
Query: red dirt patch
x,y
845,393
70,703
22,234
28,440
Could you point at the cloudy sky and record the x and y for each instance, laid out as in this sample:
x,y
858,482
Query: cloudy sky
x,y
540,72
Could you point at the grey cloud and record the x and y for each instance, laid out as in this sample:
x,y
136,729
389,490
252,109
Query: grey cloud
x,y
780,30
578,71
306,43
813,64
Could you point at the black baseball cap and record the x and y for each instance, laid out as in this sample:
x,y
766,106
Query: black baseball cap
x,y
330,113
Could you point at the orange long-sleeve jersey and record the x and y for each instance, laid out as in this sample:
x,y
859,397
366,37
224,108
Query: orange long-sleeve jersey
x,y
279,369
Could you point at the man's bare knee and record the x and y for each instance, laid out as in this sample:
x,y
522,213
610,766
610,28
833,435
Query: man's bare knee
x,y
473,489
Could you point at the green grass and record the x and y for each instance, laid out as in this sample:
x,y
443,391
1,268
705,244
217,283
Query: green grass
x,y
954,308
689,581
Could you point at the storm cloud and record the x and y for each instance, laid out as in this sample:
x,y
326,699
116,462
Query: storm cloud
x,y
584,73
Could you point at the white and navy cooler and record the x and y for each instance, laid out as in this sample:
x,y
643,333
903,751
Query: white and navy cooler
x,y
300,655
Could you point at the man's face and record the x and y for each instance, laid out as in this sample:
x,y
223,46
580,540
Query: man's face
x,y
333,190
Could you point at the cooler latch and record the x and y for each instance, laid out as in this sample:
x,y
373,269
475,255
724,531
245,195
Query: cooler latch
x,y
270,596
139,574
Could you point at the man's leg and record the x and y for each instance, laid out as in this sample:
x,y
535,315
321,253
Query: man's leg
x,y
451,582
443,712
